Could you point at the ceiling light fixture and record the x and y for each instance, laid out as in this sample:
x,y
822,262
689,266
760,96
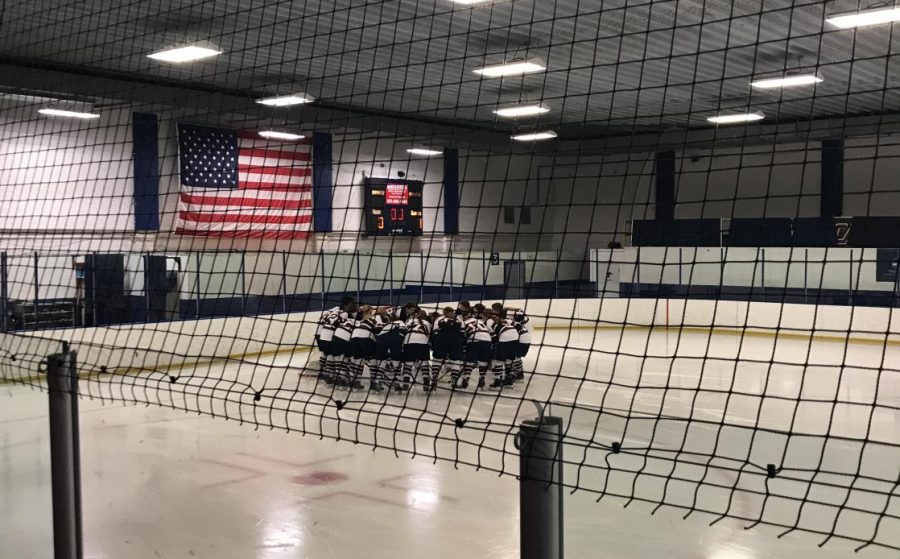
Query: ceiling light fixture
x,y
424,151
521,110
184,54
68,114
786,81
470,2
512,68
736,118
278,135
865,18
535,136
286,100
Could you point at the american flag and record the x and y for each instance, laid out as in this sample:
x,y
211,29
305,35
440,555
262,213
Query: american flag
x,y
234,184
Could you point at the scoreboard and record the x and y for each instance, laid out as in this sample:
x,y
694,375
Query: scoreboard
x,y
393,207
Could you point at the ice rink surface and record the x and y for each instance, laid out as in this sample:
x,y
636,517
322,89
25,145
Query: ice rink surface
x,y
698,415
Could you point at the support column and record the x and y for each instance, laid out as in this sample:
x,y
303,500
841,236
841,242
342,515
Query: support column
x,y
323,187
65,464
451,191
665,186
831,200
540,488
145,136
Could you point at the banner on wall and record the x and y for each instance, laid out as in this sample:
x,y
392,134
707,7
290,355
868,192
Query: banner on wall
x,y
236,184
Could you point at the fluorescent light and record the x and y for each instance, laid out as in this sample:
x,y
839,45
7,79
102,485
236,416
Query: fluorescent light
x,y
286,100
423,151
469,2
68,114
865,18
184,54
534,136
521,110
514,68
786,81
277,135
736,118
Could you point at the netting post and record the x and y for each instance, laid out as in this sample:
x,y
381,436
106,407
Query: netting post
x,y
390,267
422,278
37,288
322,266
284,267
65,466
358,277
540,488
555,273
244,283
4,294
197,282
450,263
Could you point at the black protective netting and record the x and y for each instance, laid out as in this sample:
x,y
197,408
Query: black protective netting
x,y
685,211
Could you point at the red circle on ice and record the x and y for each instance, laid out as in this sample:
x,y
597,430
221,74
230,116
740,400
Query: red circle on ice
x,y
320,478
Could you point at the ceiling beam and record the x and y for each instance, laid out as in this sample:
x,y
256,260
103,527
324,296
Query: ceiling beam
x,y
218,103
814,130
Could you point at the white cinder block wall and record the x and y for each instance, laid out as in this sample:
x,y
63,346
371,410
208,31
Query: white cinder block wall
x,y
76,177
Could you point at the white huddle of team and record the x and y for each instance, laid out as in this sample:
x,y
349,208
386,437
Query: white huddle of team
x,y
396,345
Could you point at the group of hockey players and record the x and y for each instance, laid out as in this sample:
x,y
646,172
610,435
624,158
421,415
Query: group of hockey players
x,y
404,346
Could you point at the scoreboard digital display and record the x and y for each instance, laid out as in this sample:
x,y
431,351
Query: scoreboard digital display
x,y
393,207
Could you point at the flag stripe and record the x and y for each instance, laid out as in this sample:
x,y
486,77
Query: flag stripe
x,y
245,202
263,153
243,217
298,171
246,233
245,185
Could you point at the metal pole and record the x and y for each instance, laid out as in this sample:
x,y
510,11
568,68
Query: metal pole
x,y
322,266
805,274
146,258
4,299
93,268
197,282
637,270
65,466
37,287
555,273
390,267
358,277
484,274
850,286
762,279
540,488
450,263
243,283
283,281
422,277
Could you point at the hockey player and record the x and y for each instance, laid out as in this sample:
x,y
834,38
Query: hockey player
x,y
416,351
390,330
323,340
505,351
447,344
520,319
362,343
341,351
325,334
463,308
478,350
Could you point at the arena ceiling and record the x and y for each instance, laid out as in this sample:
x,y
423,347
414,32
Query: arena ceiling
x,y
613,66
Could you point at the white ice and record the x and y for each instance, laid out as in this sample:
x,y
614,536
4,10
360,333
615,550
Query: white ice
x,y
159,482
